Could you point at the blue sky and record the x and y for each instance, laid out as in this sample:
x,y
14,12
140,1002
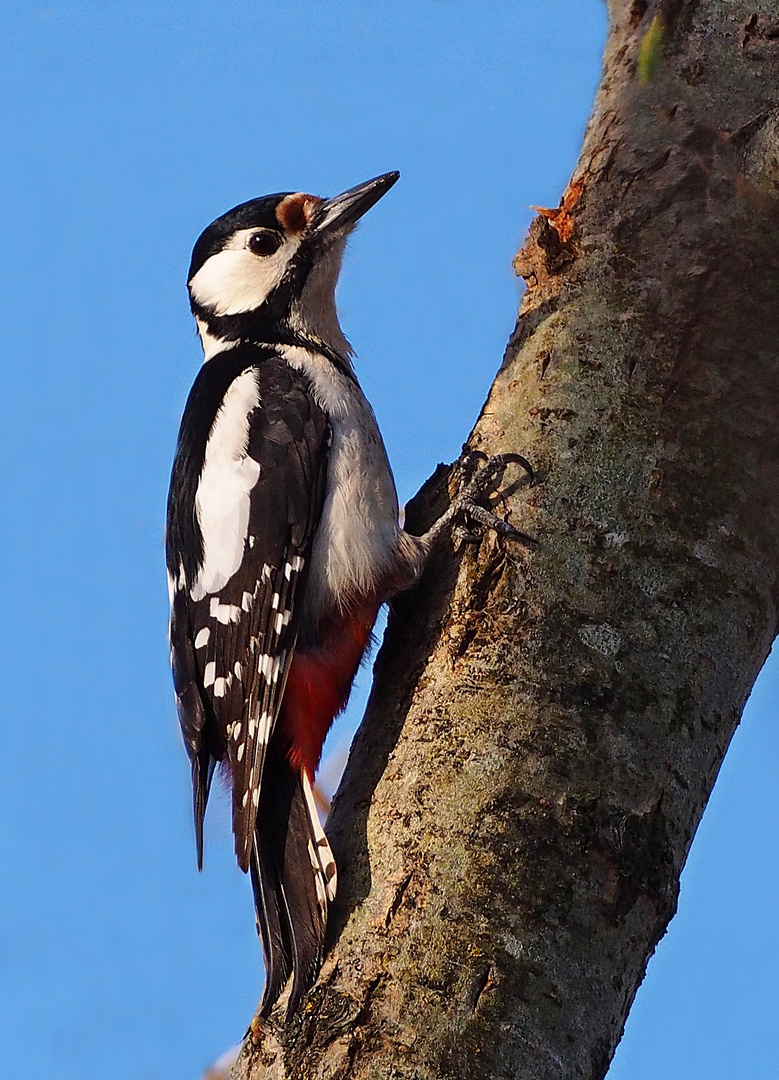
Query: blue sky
x,y
126,129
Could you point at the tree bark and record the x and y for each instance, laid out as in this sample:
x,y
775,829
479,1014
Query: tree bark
x,y
545,728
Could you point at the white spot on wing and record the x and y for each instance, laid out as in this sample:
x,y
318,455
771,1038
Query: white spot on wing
x,y
202,638
209,674
224,613
269,667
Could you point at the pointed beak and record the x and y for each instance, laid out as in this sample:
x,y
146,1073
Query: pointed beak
x,y
345,210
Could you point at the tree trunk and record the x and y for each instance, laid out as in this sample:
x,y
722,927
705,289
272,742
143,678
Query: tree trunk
x,y
545,727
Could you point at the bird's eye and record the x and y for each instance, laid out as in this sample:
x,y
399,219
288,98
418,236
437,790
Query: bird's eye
x,y
264,243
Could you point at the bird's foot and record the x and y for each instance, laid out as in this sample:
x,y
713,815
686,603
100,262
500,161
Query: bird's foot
x,y
481,481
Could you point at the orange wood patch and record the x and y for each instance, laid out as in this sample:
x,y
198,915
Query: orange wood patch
x,y
561,218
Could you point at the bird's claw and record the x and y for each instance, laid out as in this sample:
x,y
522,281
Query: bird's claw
x,y
479,482
467,505
491,521
493,467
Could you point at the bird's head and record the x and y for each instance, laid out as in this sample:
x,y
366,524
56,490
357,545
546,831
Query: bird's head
x,y
266,270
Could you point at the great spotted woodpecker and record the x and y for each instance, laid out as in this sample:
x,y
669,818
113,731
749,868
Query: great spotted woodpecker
x,y
283,542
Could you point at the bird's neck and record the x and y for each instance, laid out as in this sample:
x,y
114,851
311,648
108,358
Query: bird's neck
x,y
311,321
313,313
315,337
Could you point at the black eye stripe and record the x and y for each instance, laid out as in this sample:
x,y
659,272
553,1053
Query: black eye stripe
x,y
264,243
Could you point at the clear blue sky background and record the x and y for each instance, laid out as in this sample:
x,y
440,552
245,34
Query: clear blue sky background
x,y
126,128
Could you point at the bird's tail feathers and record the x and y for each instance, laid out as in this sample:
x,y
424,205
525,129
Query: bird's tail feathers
x,y
202,774
324,863
293,877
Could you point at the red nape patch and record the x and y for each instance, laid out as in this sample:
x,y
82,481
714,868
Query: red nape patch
x,y
295,211
319,684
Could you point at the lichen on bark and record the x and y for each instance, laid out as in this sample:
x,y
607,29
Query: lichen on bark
x,y
545,728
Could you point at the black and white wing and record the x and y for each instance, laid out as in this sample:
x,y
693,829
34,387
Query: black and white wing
x,y
246,494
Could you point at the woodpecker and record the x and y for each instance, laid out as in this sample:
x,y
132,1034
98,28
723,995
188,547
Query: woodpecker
x,y
283,541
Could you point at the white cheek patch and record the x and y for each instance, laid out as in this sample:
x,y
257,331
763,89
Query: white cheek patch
x,y
223,494
235,280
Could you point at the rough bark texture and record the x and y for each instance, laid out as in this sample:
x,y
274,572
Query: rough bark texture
x,y
545,729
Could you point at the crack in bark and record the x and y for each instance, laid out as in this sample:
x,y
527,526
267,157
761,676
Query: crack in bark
x,y
397,899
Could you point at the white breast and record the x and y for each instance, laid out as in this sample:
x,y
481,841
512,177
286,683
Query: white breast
x,y
357,539
224,491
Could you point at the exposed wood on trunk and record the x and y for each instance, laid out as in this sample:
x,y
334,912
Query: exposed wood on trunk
x,y
545,729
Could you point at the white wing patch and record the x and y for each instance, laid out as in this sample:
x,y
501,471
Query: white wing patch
x,y
223,494
224,613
